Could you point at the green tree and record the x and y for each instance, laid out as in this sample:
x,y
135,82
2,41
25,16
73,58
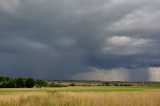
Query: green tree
x,y
11,83
20,82
4,78
3,84
29,83
41,83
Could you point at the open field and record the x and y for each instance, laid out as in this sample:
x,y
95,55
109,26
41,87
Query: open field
x,y
81,89
81,96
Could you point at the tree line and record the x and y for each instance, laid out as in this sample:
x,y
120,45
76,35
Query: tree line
x,y
6,82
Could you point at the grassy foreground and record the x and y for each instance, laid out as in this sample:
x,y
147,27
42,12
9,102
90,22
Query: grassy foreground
x,y
80,96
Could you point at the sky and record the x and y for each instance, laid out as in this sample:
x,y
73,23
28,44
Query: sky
x,y
108,40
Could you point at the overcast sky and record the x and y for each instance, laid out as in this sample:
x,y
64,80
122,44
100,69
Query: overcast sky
x,y
80,39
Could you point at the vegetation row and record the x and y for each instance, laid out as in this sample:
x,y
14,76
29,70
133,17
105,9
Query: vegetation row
x,y
6,82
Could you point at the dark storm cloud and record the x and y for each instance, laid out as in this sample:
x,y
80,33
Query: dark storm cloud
x,y
61,39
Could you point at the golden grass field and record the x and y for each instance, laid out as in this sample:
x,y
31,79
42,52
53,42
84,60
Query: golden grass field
x,y
51,98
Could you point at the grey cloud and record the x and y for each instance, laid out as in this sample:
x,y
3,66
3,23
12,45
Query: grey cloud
x,y
53,39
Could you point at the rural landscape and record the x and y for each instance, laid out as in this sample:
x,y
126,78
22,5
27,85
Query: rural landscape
x,y
30,92
79,52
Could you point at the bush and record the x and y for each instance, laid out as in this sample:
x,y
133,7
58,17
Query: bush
x,y
72,84
56,85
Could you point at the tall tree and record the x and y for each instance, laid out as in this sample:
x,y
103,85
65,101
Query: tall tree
x,y
20,82
29,83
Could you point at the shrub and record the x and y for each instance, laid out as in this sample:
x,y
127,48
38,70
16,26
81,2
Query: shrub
x,y
72,84
53,84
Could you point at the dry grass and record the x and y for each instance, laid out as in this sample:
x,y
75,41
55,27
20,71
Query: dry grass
x,y
81,99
